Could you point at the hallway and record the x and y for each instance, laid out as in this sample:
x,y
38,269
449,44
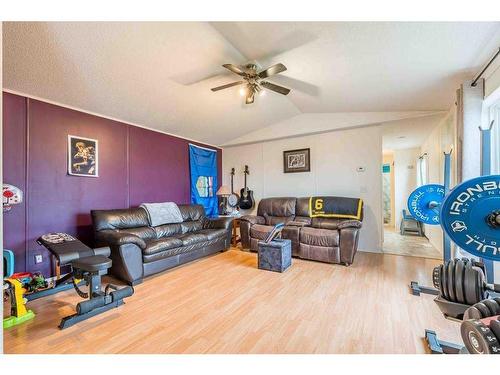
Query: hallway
x,y
409,245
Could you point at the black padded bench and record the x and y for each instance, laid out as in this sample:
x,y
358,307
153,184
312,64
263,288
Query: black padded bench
x,y
89,265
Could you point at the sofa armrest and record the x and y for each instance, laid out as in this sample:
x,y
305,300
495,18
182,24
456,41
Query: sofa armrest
x,y
253,219
348,244
218,223
112,238
350,224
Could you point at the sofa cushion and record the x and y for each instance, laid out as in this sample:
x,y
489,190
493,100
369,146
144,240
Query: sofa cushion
x,y
273,220
165,254
213,233
325,222
192,238
259,231
146,233
191,212
167,230
119,219
276,207
162,244
320,253
302,207
191,226
319,237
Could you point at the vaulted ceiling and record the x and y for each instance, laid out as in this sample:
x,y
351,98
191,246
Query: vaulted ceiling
x,y
159,75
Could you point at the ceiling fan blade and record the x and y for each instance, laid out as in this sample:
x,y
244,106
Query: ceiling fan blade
x,y
235,69
275,69
227,86
250,97
271,86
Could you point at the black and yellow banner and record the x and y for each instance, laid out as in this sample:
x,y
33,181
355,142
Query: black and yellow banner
x,y
338,207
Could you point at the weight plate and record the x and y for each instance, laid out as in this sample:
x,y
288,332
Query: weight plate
x,y
470,284
472,313
436,276
478,338
481,283
450,269
466,216
495,328
459,280
444,284
483,309
492,306
422,200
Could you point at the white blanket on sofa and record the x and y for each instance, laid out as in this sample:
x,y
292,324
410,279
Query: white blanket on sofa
x,y
162,213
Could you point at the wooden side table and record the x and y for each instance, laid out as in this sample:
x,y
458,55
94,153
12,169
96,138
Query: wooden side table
x,y
235,238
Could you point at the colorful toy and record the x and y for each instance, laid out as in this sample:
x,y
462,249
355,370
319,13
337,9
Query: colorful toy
x,y
18,312
8,263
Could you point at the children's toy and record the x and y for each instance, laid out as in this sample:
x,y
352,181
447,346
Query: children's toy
x,y
18,312
8,263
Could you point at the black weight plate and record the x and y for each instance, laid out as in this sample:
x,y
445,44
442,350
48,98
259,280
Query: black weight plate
x,y
444,287
459,280
492,306
495,328
478,338
472,313
480,289
450,272
483,309
436,277
470,279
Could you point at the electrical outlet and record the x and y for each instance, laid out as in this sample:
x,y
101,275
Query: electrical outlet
x,y
38,258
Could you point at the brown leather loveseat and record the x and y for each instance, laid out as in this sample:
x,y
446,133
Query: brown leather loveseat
x,y
331,240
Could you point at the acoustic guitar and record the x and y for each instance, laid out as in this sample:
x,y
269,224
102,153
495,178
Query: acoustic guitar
x,y
246,195
234,198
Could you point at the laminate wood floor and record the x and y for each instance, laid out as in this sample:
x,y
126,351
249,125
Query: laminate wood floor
x,y
224,304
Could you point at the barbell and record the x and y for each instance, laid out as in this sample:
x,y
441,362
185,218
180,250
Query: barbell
x,y
469,213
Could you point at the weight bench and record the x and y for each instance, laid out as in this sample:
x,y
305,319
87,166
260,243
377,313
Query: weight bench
x,y
87,265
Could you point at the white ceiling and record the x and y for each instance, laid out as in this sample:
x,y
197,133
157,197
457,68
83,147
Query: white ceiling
x,y
409,133
159,75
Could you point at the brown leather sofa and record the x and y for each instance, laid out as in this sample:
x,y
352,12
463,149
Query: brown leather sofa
x,y
330,240
139,250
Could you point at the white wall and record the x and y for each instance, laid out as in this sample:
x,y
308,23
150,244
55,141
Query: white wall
x,y
335,157
405,179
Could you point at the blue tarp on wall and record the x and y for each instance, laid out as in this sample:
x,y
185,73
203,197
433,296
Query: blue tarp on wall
x,y
203,167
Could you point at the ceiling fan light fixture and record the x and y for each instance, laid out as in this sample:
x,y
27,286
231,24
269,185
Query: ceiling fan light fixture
x,y
252,80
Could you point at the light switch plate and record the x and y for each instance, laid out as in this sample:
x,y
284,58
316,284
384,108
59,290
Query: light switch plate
x,y
38,258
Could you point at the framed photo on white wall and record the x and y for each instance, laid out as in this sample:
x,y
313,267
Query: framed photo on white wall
x,y
295,161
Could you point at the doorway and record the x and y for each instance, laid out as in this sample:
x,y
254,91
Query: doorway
x,y
401,174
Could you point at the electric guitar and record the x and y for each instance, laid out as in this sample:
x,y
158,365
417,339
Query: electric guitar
x,y
234,198
246,199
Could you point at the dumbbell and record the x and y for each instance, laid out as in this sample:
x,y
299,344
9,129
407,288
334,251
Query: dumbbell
x,y
481,327
462,281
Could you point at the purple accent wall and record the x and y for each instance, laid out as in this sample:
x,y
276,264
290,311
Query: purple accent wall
x,y
14,172
136,165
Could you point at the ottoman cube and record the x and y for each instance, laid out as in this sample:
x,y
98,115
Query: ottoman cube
x,y
275,255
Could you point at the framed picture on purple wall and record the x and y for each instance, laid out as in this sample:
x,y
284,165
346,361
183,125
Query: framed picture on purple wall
x,y
82,156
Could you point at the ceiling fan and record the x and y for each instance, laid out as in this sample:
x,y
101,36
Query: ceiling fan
x,y
253,80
